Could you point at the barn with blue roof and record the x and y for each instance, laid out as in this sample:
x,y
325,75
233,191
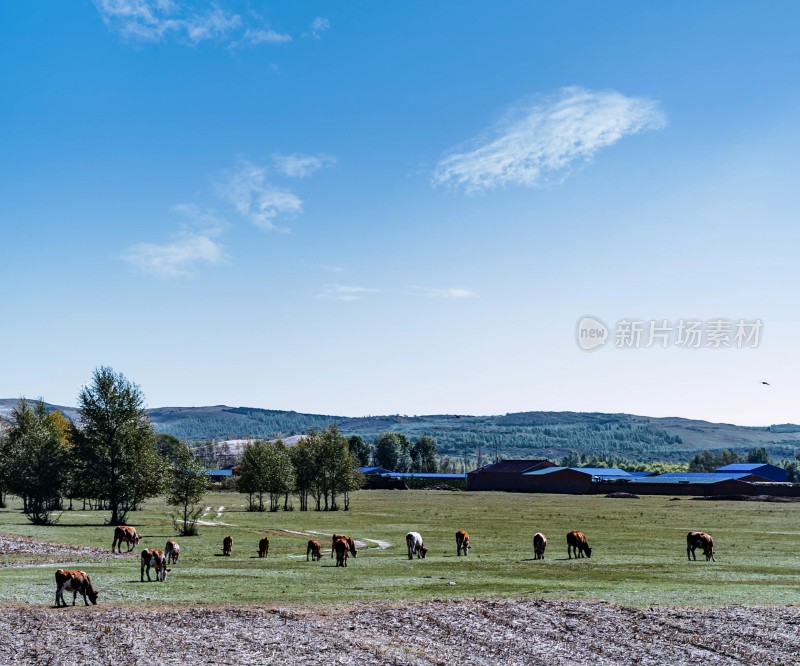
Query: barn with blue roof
x,y
764,470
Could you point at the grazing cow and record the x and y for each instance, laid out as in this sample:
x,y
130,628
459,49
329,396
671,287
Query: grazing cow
x,y
314,549
415,545
342,548
126,534
152,557
539,544
172,551
227,545
351,545
74,581
462,542
263,547
576,542
700,540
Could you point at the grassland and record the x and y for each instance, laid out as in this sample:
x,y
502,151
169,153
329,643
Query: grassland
x,y
639,556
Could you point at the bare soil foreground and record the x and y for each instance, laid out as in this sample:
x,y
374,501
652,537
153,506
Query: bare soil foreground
x,y
475,632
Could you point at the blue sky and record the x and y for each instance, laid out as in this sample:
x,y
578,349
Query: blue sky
x,y
358,208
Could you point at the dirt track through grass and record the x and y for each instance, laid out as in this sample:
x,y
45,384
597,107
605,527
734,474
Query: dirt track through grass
x,y
504,632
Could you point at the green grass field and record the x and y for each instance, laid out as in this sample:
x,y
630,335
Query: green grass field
x,y
639,556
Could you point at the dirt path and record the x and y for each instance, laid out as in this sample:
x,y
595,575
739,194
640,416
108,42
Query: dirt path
x,y
44,552
475,632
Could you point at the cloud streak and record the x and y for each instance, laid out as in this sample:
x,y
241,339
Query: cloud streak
x,y
543,139
193,246
343,292
255,198
451,292
298,165
160,20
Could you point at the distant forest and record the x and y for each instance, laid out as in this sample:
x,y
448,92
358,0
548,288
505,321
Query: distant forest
x,y
484,438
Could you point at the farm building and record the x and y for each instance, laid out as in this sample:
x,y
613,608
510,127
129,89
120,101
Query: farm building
x,y
574,480
503,475
765,470
683,483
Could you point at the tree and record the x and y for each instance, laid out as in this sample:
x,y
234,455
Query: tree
x,y
304,455
37,448
392,451
114,445
188,484
279,474
253,479
423,456
360,449
758,456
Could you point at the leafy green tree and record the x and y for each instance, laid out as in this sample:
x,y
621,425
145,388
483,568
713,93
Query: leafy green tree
x,y
279,474
758,455
360,449
423,456
304,456
188,484
114,444
37,451
253,479
392,451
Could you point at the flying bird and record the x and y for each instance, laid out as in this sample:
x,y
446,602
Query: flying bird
x,y
766,383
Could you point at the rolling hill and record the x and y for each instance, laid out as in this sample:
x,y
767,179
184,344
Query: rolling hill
x,y
519,435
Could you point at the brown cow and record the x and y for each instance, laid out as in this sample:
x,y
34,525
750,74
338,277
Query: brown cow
x,y
342,548
172,551
351,544
74,581
263,547
539,545
576,542
700,540
126,534
462,542
314,549
227,545
152,557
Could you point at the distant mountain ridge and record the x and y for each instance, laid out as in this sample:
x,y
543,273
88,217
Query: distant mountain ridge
x,y
516,435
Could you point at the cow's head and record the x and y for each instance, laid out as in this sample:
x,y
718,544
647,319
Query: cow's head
x,y
92,596
588,551
424,552
136,538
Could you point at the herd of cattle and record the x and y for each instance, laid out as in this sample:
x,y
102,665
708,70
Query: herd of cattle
x,y
342,546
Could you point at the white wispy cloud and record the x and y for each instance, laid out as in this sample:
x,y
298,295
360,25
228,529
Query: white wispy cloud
x,y
452,292
159,20
319,25
256,198
544,138
194,245
266,37
343,292
298,165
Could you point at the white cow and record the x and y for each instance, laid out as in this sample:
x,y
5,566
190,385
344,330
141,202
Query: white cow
x,y
415,545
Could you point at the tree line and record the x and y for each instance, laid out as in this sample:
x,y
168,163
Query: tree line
x,y
111,459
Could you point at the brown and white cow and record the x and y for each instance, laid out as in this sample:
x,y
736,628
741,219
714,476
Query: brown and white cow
x,y
700,540
539,545
314,549
576,542
126,534
351,544
263,547
462,542
342,548
172,551
415,545
75,582
155,558
227,545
